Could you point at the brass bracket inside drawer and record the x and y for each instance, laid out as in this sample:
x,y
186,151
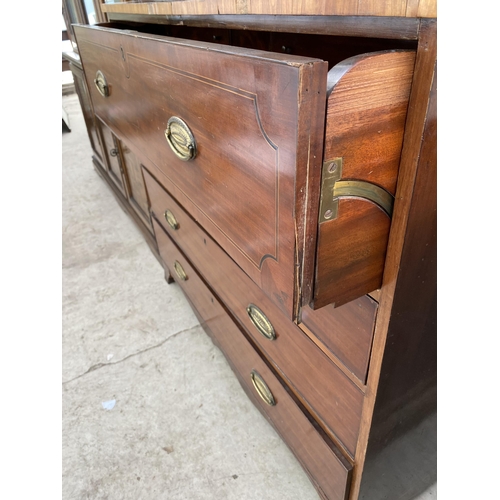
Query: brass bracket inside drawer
x,y
332,188
329,205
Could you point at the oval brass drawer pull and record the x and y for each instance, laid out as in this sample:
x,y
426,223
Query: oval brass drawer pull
x,y
260,321
179,270
262,388
171,220
101,84
180,139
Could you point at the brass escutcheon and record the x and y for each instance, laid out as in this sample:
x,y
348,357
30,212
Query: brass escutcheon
x,y
171,220
179,270
260,321
262,388
180,139
101,84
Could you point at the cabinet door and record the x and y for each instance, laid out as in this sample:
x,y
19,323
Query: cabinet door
x,y
111,153
136,189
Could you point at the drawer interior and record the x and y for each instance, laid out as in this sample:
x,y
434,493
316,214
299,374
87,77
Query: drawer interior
x,y
332,49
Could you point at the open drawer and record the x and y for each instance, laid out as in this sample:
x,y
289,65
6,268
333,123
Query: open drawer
x,y
238,137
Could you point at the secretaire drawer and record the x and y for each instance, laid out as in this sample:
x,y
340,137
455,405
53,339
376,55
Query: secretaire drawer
x,y
324,464
228,130
330,396
238,137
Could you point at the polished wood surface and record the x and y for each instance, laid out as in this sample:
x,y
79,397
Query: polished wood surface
x,y
110,153
411,161
86,105
366,113
347,331
325,391
352,26
124,203
325,465
367,104
403,399
249,144
136,189
397,8
392,392
351,254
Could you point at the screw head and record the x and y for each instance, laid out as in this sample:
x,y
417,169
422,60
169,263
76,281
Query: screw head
x,y
328,214
332,167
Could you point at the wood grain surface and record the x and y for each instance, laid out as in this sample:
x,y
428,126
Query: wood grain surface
x,y
347,331
398,8
86,105
411,161
124,203
394,28
404,400
328,470
330,396
244,109
136,189
367,105
110,153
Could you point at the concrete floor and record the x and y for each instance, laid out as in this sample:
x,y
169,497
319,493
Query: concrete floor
x,y
151,409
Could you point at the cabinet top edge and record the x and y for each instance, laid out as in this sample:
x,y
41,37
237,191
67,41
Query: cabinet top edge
x,y
393,8
402,28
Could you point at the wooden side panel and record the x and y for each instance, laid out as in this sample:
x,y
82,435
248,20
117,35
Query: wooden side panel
x,y
347,331
327,469
407,392
366,114
365,125
411,161
351,253
86,105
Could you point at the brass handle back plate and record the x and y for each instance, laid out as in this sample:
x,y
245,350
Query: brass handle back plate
x,y
261,322
101,84
180,139
171,220
179,270
262,389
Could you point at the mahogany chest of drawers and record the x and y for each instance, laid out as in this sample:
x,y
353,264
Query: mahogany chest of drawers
x,y
284,176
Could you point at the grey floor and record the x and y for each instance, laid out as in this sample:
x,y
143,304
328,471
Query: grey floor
x,y
151,409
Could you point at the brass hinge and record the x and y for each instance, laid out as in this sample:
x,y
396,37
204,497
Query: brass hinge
x,y
332,188
329,204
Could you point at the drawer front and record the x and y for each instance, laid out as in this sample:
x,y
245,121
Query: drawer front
x,y
333,399
324,464
346,332
229,132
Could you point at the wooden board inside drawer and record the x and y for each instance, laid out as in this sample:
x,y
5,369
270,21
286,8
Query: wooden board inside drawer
x,y
366,114
345,332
